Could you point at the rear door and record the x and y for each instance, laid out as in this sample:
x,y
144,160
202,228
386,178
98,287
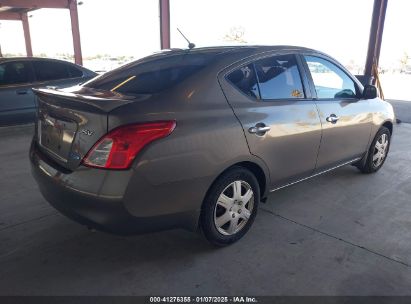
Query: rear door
x,y
279,117
16,97
345,117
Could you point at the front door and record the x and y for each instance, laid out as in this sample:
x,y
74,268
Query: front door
x,y
279,119
345,117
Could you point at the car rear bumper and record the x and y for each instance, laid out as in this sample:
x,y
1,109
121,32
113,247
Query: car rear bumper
x,y
97,198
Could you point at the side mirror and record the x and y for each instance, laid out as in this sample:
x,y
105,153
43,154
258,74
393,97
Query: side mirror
x,y
370,92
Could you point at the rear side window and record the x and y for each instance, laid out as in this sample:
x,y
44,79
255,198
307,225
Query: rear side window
x,y
46,70
14,73
152,76
275,77
245,80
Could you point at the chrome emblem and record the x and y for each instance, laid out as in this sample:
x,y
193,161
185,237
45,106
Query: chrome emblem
x,y
87,132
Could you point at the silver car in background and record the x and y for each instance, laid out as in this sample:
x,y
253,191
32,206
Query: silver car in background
x,y
19,75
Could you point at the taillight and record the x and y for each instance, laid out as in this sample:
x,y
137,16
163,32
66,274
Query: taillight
x,y
118,148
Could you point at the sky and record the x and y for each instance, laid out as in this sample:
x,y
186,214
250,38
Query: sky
x,y
131,27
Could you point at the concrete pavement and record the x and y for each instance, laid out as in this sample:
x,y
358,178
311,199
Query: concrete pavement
x,y
342,233
402,110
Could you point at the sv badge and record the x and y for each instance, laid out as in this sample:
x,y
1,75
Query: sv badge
x,y
87,132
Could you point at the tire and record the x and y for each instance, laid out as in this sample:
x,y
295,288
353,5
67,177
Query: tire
x,y
372,165
225,216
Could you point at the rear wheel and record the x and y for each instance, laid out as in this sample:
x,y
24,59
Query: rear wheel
x,y
230,207
377,153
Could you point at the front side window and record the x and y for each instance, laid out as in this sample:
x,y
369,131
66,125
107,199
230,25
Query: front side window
x,y
46,71
329,80
279,77
14,73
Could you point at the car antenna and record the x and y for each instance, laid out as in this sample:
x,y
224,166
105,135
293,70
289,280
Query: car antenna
x,y
190,44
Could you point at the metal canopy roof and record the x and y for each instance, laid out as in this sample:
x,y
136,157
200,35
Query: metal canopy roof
x,y
18,9
11,11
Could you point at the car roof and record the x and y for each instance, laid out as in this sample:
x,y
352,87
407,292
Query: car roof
x,y
29,58
217,50
8,59
240,48
210,49
230,53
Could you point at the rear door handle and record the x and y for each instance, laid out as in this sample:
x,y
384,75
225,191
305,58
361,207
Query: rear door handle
x,y
259,129
22,92
332,118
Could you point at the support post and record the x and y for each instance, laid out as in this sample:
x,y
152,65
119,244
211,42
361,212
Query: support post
x,y
375,39
165,23
27,38
78,58
381,28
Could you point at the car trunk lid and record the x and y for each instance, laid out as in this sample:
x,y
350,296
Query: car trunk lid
x,y
70,121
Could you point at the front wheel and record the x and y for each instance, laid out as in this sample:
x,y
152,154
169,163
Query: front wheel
x,y
230,207
377,153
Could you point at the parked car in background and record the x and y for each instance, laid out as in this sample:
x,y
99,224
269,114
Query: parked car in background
x,y
195,139
19,75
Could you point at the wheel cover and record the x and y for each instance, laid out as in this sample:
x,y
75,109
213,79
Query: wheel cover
x,y
380,150
234,207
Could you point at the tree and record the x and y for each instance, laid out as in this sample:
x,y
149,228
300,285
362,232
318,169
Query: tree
x,y
404,61
236,34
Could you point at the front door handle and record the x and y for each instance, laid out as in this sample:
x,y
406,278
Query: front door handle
x,y
332,118
22,92
259,129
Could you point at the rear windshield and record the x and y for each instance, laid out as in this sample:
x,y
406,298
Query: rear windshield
x,y
154,76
